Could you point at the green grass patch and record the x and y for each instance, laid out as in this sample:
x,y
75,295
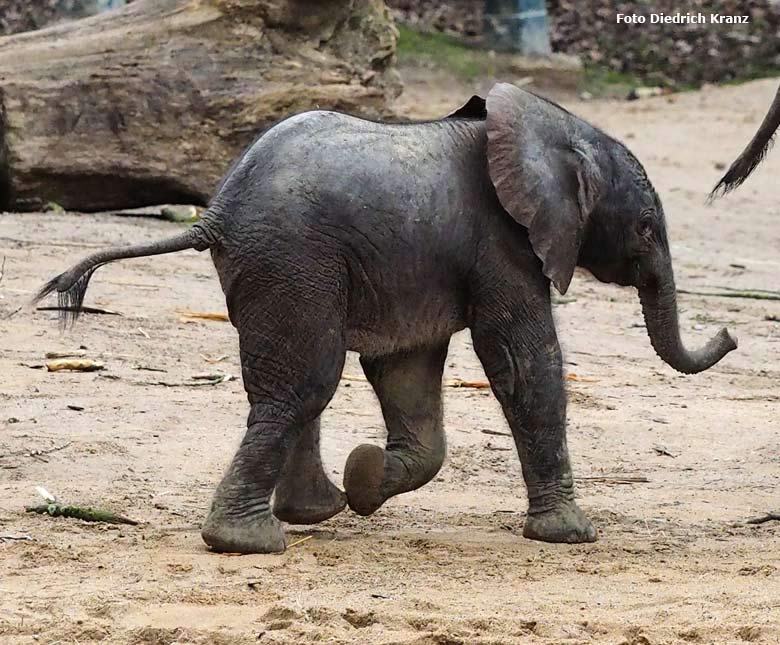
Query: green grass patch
x,y
467,62
604,82
445,52
752,72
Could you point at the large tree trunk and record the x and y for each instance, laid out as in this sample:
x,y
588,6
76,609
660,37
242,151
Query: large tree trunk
x,y
150,103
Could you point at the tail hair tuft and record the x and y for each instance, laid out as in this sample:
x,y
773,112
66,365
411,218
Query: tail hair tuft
x,y
69,298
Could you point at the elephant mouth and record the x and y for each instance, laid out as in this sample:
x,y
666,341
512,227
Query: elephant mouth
x,y
624,274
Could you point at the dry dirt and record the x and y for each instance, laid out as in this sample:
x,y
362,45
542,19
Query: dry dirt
x,y
445,565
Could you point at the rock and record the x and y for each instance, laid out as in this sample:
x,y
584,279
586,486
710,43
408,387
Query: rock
x,y
644,93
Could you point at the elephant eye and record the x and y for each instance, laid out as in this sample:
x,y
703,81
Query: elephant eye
x,y
645,224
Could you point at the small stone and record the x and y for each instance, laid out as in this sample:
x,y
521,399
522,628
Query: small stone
x,y
180,213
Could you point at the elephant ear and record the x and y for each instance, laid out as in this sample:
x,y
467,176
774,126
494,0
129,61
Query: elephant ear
x,y
545,173
474,108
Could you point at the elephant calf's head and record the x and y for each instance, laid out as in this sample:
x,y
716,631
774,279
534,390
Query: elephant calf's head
x,y
587,201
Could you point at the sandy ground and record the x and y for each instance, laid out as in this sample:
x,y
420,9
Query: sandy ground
x,y
445,565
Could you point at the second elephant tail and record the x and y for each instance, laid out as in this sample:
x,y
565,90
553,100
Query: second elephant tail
x,y
753,154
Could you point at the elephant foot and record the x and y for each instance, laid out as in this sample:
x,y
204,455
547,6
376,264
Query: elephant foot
x,y
363,476
309,505
565,523
258,534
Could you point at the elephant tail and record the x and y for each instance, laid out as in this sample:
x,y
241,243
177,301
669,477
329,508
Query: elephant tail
x,y
72,284
753,154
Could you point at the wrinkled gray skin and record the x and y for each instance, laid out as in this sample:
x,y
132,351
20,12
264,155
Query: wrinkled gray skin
x,y
333,233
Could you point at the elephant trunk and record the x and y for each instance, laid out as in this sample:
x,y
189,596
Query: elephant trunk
x,y
659,306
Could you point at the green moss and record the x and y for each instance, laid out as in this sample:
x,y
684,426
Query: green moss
x,y
753,71
415,48
604,82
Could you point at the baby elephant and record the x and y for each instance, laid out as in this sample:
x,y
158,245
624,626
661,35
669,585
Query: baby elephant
x,y
332,233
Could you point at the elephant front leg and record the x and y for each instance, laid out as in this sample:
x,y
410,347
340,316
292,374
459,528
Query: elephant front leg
x,y
408,385
526,375
304,494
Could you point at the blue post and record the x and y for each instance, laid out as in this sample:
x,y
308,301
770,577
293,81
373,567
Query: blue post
x,y
83,8
518,25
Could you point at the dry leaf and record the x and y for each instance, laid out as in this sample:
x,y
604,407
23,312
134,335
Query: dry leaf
x,y
74,364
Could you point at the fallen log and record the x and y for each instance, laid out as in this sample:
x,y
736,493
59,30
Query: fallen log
x,y
150,103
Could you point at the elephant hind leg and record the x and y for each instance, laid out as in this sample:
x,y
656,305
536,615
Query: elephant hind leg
x,y
304,494
408,385
291,367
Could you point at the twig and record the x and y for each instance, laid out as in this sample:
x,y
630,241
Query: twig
x,y
753,294
55,449
10,538
80,513
11,314
167,213
205,315
661,450
453,383
76,353
218,359
77,245
37,453
130,283
735,290
496,433
615,480
198,380
217,377
765,397
146,368
82,310
474,385
769,517
301,541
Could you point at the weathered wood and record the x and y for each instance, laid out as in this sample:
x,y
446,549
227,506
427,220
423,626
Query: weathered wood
x,y
151,103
